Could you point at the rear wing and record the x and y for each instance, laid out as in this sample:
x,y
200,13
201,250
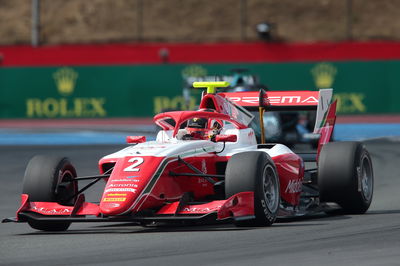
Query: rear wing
x,y
275,100
292,100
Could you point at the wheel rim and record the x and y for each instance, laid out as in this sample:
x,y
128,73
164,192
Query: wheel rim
x,y
66,189
366,178
270,188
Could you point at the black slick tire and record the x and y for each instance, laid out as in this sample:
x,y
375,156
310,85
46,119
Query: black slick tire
x,y
254,171
47,179
345,176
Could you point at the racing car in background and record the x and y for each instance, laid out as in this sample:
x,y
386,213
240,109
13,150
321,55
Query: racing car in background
x,y
212,164
289,127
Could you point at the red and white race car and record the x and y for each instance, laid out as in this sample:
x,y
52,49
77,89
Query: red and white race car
x,y
210,164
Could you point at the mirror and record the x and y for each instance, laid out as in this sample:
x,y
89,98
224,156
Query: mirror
x,y
226,138
135,139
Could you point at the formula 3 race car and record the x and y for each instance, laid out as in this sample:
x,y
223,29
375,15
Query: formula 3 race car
x,y
208,165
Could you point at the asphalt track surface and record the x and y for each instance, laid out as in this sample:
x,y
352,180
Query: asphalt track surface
x,y
369,239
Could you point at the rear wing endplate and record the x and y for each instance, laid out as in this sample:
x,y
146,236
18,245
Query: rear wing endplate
x,y
326,117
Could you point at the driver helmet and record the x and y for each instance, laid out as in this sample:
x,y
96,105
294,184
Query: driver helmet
x,y
197,127
199,123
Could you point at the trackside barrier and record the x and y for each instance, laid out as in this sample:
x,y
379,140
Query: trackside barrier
x,y
142,91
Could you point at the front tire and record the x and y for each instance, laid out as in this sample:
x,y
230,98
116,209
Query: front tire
x,y
256,172
345,176
47,179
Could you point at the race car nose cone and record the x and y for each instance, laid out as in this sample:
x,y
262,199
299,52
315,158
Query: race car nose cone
x,y
117,202
131,174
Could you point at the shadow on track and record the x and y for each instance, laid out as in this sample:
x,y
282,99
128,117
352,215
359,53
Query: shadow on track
x,y
122,228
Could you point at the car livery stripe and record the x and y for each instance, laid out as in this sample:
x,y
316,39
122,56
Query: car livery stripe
x,y
146,191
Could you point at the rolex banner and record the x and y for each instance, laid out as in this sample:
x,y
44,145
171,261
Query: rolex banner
x,y
142,91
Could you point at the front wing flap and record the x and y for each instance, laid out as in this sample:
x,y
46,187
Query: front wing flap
x,y
239,206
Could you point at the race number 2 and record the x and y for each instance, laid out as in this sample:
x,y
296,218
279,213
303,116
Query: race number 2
x,y
136,161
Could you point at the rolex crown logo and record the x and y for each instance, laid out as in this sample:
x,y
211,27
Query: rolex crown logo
x,y
324,75
194,71
65,79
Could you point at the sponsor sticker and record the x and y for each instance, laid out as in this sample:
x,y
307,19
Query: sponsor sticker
x,y
114,199
294,186
204,166
116,195
52,211
126,180
278,100
122,185
194,209
133,190
112,205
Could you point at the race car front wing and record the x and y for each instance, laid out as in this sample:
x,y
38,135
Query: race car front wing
x,y
240,206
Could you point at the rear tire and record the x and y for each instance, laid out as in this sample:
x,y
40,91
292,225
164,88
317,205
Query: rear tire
x,y
345,176
46,180
256,172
